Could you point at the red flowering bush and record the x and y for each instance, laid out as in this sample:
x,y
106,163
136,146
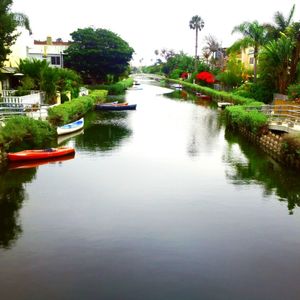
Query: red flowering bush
x,y
184,75
206,77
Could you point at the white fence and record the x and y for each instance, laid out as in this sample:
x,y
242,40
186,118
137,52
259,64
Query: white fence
x,y
35,97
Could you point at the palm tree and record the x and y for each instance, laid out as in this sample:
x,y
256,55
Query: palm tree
x,y
213,49
254,35
281,24
196,23
275,62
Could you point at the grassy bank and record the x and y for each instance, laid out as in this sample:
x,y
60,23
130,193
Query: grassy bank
x,y
217,95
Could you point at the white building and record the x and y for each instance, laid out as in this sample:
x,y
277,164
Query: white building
x,y
50,50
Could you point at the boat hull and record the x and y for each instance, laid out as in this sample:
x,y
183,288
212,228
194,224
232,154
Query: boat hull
x,y
71,127
27,155
116,107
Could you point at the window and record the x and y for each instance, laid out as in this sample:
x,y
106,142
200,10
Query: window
x,y
251,61
55,60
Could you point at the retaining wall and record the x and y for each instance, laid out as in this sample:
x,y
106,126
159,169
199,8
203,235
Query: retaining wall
x,y
271,143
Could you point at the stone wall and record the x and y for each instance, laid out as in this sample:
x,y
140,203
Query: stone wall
x,y
271,143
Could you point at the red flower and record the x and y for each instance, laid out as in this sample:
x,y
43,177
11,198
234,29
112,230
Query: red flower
x,y
184,75
206,76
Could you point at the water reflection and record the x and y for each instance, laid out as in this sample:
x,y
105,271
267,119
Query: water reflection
x,y
105,131
12,195
255,166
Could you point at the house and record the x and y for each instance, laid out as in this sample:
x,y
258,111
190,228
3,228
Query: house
x,y
247,57
26,47
50,50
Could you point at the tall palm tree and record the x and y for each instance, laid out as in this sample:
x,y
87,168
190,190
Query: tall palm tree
x,y
275,62
281,24
254,35
196,23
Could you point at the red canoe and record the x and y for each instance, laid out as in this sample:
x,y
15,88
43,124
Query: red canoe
x,y
39,154
27,164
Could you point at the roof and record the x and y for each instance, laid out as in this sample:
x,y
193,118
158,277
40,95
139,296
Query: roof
x,y
53,43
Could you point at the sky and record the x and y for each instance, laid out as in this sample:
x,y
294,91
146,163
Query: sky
x,y
150,25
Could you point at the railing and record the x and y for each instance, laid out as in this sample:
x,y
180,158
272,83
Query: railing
x,y
37,97
281,115
33,110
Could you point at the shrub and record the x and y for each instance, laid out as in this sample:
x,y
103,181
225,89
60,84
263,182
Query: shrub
x,y
19,130
74,109
253,120
294,91
115,88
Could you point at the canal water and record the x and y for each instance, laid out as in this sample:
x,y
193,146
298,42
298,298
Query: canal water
x,y
158,203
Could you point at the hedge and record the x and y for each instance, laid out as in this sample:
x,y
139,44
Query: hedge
x,y
74,109
115,88
217,95
22,130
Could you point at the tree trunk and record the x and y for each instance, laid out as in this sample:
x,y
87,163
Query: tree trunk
x,y
295,60
255,64
196,51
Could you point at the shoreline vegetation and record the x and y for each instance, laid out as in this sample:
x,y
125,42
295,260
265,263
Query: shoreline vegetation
x,y
24,132
252,124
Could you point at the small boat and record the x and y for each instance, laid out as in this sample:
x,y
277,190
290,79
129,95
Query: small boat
x,y
28,164
176,86
120,106
39,154
110,103
203,96
71,127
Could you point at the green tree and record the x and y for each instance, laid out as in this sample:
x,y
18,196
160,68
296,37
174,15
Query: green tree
x,y
234,74
43,77
196,23
275,62
9,22
96,53
254,35
282,23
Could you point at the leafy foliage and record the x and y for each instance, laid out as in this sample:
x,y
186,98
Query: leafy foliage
x,y
274,62
40,76
23,130
95,53
294,91
234,74
73,110
9,22
115,88
253,120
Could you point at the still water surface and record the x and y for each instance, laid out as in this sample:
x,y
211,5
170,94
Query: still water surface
x,y
158,203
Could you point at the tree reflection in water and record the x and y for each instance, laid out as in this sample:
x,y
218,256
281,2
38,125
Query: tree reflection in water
x,y
258,167
105,132
12,195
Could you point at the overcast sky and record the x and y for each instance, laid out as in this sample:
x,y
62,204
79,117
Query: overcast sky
x,y
149,25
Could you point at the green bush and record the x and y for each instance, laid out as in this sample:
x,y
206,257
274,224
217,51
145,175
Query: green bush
x,y
294,91
74,109
253,120
218,95
19,130
257,91
115,88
